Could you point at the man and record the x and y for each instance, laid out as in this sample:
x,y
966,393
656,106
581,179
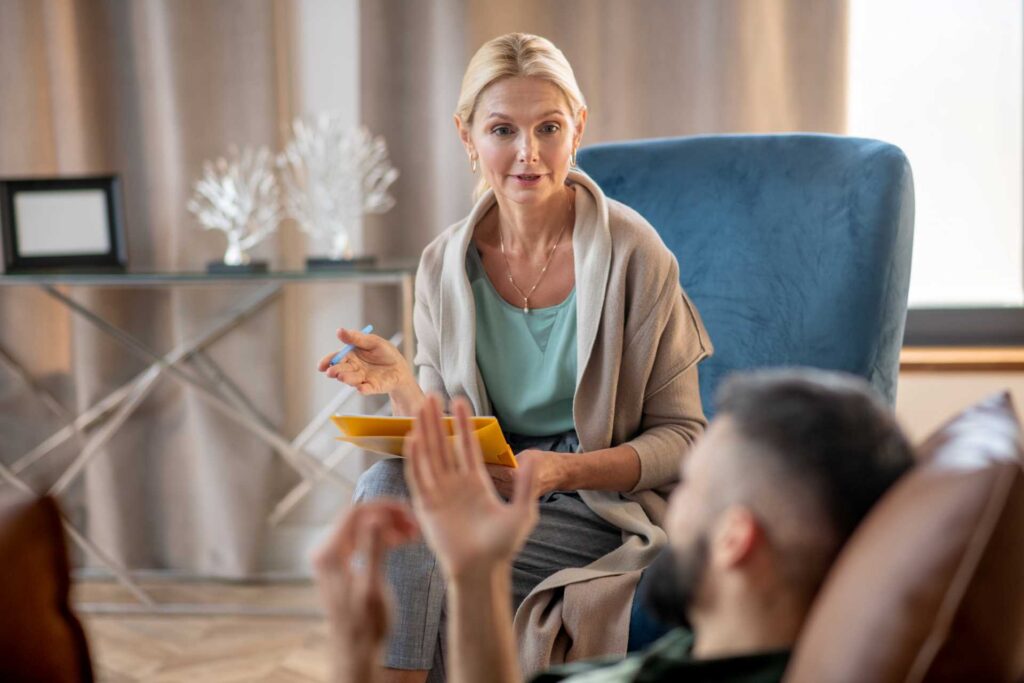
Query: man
x,y
783,476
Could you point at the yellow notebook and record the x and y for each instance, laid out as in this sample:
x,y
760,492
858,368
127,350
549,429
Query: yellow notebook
x,y
387,435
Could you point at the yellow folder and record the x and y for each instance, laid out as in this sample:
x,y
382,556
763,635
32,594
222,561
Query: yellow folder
x,y
387,435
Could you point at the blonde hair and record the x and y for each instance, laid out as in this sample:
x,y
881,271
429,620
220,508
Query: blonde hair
x,y
510,55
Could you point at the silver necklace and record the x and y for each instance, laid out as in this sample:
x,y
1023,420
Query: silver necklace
x,y
543,271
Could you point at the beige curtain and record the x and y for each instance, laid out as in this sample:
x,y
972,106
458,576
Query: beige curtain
x,y
648,68
148,90
151,88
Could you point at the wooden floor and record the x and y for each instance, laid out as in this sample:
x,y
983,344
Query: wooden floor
x,y
208,649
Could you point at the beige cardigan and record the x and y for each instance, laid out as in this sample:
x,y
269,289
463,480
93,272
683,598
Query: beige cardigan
x,y
639,341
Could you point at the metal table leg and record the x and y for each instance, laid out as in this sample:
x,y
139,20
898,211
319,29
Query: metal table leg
x,y
304,463
123,401
214,388
182,352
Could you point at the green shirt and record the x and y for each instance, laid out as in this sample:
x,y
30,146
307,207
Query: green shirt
x,y
527,360
670,659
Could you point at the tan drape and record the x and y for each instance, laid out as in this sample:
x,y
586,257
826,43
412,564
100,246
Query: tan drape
x,y
149,90
648,68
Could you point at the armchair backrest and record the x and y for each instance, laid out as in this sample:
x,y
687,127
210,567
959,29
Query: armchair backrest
x,y
795,248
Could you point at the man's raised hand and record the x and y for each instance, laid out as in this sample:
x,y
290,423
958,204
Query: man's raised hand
x,y
464,521
349,572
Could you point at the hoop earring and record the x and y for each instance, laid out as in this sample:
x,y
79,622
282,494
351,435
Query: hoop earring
x,y
572,159
473,165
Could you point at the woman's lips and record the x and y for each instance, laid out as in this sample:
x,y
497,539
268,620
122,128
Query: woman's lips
x,y
527,178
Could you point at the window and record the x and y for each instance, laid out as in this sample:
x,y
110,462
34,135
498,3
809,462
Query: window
x,y
942,79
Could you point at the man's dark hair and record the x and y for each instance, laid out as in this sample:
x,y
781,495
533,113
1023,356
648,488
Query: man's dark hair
x,y
827,430
815,451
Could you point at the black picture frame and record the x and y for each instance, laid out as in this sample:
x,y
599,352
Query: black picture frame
x,y
19,258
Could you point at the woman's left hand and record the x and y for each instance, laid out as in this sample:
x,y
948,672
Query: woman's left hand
x,y
549,473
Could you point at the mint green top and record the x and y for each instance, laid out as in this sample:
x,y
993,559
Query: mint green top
x,y
527,360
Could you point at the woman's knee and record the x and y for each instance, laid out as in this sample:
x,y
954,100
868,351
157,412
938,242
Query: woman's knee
x,y
386,478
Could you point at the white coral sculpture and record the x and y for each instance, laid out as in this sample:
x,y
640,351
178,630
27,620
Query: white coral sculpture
x,y
332,175
239,195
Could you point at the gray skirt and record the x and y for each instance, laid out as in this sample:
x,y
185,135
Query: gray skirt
x,y
568,534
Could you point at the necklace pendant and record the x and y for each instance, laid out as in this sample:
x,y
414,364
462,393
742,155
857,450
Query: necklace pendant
x,y
526,308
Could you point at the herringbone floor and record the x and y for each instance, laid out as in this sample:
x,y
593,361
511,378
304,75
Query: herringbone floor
x,y
209,649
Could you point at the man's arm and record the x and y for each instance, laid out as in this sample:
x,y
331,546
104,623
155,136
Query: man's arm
x,y
475,535
482,643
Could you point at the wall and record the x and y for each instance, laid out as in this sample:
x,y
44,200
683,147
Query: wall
x,y
927,399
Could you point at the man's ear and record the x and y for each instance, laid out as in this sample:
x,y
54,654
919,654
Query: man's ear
x,y
735,538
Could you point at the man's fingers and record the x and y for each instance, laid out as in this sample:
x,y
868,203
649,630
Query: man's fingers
x,y
468,455
411,467
525,481
396,521
424,484
433,430
373,553
341,543
448,444
382,525
367,535
434,443
403,527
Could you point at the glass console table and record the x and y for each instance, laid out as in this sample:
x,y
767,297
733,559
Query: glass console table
x,y
222,395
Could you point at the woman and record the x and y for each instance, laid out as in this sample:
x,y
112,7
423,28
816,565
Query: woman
x,y
559,311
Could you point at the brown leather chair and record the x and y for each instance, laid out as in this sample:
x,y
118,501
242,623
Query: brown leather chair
x,y
40,637
931,586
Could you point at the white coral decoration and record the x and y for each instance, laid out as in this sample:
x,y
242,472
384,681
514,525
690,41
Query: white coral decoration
x,y
238,195
332,175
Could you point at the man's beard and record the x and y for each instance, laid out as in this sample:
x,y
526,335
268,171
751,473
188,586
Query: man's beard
x,y
670,589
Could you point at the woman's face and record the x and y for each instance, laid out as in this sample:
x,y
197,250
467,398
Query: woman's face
x,y
523,136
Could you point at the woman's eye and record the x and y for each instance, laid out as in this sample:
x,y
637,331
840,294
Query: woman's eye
x,y
550,128
502,130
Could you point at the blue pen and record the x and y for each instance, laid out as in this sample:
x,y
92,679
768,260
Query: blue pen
x,y
348,347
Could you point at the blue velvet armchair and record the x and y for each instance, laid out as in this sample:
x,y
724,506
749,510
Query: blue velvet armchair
x,y
795,249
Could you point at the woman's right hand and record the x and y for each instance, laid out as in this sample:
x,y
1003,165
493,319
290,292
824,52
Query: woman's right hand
x,y
374,366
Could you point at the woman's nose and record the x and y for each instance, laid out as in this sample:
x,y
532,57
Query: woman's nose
x,y
528,148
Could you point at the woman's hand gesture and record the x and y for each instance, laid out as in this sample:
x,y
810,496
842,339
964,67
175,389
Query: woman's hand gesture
x,y
374,366
466,524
